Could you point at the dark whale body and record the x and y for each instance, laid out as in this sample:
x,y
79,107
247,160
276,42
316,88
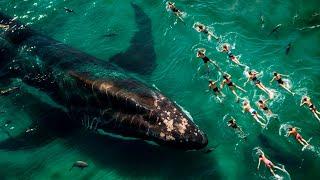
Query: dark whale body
x,y
97,95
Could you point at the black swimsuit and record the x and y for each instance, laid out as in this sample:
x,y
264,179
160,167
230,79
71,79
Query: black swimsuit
x,y
280,81
215,89
175,10
312,107
255,80
235,126
265,108
230,83
205,59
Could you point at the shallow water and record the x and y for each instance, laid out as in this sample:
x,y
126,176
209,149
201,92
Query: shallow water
x,y
177,76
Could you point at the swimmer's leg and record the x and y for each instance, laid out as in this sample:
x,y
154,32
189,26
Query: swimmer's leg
x,y
305,142
284,87
316,115
266,90
217,66
238,87
235,93
257,119
219,99
272,172
301,142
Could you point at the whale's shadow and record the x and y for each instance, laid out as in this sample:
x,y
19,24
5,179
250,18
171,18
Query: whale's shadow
x,y
140,57
136,158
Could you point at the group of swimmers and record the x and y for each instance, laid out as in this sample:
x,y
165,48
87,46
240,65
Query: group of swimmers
x,y
251,76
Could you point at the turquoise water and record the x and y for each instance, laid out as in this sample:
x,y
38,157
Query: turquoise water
x,y
180,76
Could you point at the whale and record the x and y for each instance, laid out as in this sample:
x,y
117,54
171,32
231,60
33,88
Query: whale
x,y
98,95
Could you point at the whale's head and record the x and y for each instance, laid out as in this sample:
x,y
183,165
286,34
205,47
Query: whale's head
x,y
130,108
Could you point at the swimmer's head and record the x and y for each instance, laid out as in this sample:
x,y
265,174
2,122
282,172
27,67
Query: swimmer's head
x,y
260,101
250,72
304,98
225,76
170,3
290,129
210,81
275,73
260,155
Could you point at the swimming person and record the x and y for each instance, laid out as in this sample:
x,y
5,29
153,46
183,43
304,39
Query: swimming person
x,y
294,132
232,123
252,75
4,26
232,86
262,105
278,78
233,58
203,29
201,53
247,108
307,101
214,87
268,164
175,10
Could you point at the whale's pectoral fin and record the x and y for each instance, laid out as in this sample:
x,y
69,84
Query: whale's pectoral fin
x,y
53,125
140,57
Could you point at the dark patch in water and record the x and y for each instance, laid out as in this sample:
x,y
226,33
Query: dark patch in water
x,y
140,57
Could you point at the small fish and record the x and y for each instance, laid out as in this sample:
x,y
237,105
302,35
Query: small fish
x,y
68,10
110,35
262,21
275,29
79,164
288,48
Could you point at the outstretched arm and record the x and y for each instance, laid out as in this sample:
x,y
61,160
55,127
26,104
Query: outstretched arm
x,y
259,164
272,79
247,81
222,84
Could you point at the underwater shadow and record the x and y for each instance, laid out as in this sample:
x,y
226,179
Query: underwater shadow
x,y
137,158
140,57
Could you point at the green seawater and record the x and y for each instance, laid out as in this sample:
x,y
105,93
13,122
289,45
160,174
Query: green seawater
x,y
182,77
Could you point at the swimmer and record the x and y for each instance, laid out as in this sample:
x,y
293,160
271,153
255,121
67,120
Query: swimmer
x,y
247,108
233,124
202,28
278,78
268,164
307,101
68,10
233,58
202,54
175,10
252,75
294,132
262,105
214,87
262,21
227,81
275,29
4,26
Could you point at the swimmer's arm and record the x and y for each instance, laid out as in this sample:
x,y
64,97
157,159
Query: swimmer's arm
x,y
302,103
266,100
222,84
246,82
259,163
272,79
